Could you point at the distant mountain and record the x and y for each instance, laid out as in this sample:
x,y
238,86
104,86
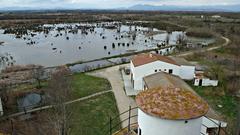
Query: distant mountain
x,y
216,8
224,8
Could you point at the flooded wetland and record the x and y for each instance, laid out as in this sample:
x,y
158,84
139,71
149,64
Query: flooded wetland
x,y
58,44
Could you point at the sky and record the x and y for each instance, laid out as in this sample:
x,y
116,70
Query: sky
x,y
108,4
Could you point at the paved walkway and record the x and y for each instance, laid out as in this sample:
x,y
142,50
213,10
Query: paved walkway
x,y
128,84
123,101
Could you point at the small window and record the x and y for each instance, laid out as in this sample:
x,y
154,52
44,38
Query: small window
x,y
170,71
160,70
186,122
165,69
156,70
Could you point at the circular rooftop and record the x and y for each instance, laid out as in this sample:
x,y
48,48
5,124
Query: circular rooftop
x,y
172,104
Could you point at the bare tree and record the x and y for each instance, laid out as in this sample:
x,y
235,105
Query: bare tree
x,y
167,38
58,94
37,74
181,41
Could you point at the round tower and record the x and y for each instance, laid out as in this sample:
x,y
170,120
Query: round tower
x,y
170,112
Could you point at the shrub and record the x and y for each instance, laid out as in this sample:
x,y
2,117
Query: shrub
x,y
200,33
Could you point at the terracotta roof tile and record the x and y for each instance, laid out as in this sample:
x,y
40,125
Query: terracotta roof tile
x,y
172,103
146,58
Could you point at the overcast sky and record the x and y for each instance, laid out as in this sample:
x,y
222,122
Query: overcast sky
x,y
107,3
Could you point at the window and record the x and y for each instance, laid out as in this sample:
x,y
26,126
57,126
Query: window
x,y
160,70
165,70
170,71
156,70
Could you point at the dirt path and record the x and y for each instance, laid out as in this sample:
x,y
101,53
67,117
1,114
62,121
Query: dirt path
x,y
123,101
227,41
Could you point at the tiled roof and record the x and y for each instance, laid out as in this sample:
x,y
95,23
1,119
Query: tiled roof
x,y
181,61
172,103
165,80
146,58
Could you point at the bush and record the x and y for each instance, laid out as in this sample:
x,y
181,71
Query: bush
x,y
200,33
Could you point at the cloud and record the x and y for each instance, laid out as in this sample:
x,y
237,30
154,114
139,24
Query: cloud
x,y
109,3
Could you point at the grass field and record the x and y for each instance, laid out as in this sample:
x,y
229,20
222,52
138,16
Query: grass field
x,y
84,85
215,96
90,116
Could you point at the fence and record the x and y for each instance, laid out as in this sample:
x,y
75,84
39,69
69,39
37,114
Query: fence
x,y
111,127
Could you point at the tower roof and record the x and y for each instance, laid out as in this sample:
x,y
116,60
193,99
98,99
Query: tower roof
x,y
171,103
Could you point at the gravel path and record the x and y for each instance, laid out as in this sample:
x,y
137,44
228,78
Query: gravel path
x,y
123,101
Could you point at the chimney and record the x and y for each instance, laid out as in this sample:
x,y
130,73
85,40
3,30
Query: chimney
x,y
151,55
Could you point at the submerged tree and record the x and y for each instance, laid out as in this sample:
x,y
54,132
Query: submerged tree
x,y
167,39
181,41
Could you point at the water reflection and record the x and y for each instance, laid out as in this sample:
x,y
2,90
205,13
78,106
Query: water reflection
x,y
59,44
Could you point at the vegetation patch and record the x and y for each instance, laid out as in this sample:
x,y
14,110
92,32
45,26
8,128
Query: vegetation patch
x,y
91,117
85,85
164,26
215,97
200,33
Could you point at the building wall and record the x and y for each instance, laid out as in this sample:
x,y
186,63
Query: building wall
x,y
150,125
187,72
205,82
148,69
210,123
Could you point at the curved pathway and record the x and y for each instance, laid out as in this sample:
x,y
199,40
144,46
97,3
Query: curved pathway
x,y
227,41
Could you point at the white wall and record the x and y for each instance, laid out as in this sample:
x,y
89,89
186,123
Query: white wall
x,y
211,123
140,72
187,72
150,125
205,82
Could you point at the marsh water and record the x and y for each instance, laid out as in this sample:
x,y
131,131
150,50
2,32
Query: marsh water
x,y
62,46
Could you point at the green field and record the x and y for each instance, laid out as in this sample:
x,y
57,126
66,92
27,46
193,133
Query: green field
x,y
90,116
84,85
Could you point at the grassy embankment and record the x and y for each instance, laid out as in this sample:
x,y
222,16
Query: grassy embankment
x,y
90,116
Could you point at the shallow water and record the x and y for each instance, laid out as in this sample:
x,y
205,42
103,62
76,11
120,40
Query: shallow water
x,y
50,50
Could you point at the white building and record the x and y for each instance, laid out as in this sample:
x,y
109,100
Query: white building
x,y
216,16
205,82
146,64
170,112
201,80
